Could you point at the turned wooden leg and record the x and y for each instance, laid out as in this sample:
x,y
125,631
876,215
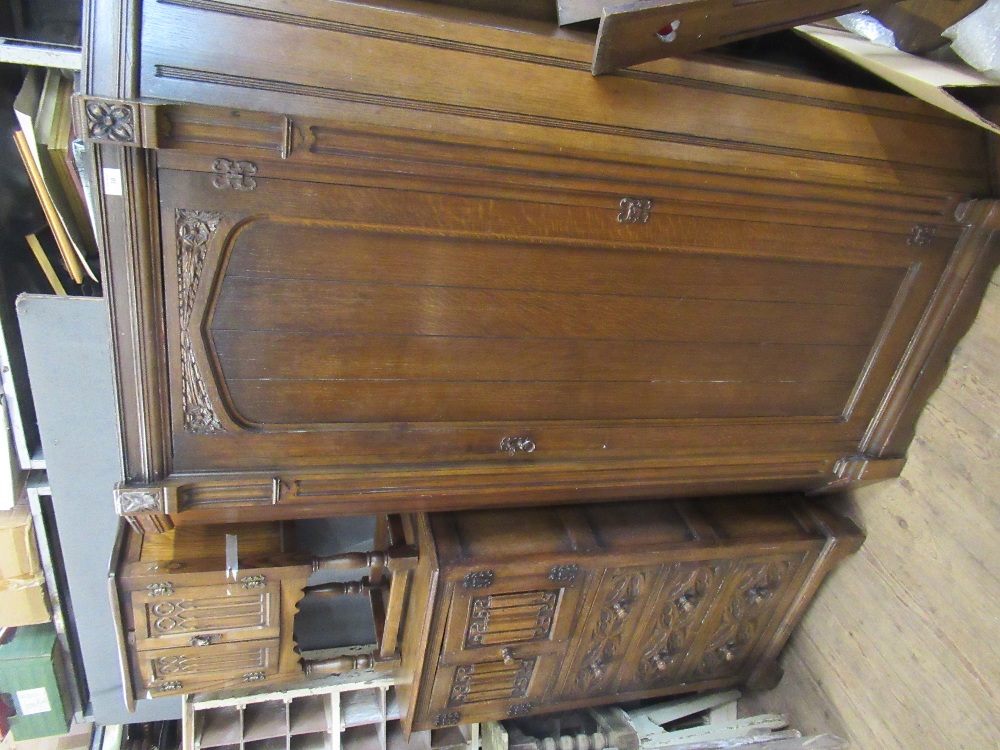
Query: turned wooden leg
x,y
339,589
339,664
398,556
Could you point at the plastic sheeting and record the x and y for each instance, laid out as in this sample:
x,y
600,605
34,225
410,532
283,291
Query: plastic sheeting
x,y
976,38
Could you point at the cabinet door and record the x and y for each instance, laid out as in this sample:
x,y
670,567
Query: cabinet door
x,y
206,615
224,665
467,343
672,625
758,592
522,615
491,690
504,639
617,608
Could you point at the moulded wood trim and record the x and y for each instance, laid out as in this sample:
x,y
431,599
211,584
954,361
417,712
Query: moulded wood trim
x,y
460,167
248,496
127,232
111,48
317,98
546,44
946,319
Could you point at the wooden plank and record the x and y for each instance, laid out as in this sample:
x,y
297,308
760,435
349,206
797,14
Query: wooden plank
x,y
637,32
724,714
267,354
340,254
44,54
428,311
788,740
749,727
678,708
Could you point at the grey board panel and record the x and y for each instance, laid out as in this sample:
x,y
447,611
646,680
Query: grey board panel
x,y
67,344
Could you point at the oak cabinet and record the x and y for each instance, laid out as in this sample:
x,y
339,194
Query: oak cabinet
x,y
609,602
209,608
348,287
190,620
490,613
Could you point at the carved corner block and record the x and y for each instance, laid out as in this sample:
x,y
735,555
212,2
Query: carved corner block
x,y
116,121
145,508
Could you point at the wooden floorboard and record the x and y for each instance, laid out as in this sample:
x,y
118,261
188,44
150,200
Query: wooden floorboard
x,y
901,648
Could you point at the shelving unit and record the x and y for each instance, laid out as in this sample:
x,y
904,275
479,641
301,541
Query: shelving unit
x,y
358,715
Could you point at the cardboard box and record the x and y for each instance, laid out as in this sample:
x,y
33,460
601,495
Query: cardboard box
x,y
950,86
22,583
29,667
78,738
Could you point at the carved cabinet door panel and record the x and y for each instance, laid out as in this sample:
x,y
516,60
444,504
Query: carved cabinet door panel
x,y
672,624
212,667
505,636
199,616
617,610
758,591
490,690
502,614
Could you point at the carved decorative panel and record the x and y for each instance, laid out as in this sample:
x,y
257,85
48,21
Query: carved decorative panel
x,y
136,501
195,230
172,664
182,615
622,596
110,121
491,681
518,617
752,602
681,611
172,615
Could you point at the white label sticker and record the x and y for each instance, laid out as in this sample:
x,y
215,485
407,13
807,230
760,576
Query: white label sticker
x,y
232,556
33,701
112,181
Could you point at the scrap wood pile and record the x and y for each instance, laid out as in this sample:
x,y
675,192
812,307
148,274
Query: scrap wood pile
x,y
701,722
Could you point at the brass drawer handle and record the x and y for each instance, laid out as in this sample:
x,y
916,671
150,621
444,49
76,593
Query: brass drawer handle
x,y
204,640
508,656
514,445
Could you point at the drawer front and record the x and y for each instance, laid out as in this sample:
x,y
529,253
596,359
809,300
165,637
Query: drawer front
x,y
187,669
206,615
754,598
616,612
490,690
673,624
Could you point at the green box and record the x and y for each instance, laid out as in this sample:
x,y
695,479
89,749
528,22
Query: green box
x,y
30,666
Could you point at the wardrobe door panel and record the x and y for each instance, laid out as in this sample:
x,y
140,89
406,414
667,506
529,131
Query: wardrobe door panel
x,y
325,324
